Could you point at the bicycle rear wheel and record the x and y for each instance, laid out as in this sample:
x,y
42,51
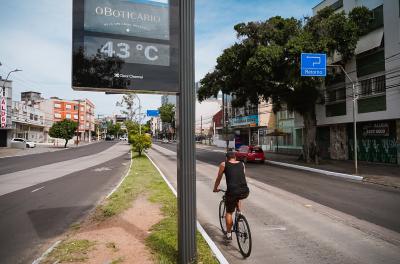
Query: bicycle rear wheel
x,y
243,236
222,220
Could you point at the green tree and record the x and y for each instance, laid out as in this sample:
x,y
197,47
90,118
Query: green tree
x,y
140,142
65,129
167,115
265,63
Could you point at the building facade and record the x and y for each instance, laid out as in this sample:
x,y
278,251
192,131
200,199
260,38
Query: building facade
x,y
80,111
28,122
374,70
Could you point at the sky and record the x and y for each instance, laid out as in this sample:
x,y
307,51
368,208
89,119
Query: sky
x,y
36,37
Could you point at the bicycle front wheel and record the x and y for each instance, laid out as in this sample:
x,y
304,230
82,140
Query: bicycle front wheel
x,y
222,220
243,236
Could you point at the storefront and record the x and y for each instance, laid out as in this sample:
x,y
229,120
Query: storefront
x,y
377,141
245,129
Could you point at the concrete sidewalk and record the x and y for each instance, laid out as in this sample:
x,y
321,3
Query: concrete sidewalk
x,y
383,174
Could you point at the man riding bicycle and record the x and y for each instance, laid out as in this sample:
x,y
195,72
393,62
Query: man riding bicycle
x,y
236,187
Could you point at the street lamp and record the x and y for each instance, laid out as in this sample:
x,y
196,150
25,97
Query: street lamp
x,y
4,83
355,97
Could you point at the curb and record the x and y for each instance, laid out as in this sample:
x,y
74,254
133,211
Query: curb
x,y
50,249
330,173
218,254
37,261
126,175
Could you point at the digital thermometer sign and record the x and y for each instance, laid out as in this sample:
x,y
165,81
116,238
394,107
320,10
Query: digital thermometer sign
x,y
125,45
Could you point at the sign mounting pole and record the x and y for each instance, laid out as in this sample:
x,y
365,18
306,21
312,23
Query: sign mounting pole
x,y
186,146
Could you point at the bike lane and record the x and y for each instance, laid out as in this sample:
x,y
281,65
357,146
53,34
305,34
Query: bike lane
x,y
287,228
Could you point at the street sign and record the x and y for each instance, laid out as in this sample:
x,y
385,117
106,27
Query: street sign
x,y
153,113
313,64
126,45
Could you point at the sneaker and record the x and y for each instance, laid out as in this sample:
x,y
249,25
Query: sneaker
x,y
228,236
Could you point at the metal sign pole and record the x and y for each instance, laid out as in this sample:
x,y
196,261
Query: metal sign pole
x,y
186,147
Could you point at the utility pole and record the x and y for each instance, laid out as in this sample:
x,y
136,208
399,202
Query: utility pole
x,y
187,246
355,98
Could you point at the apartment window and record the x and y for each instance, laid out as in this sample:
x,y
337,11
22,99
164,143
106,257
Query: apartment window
x,y
76,117
377,14
57,115
371,63
31,116
57,105
374,85
82,109
68,116
82,118
366,87
68,106
338,4
76,107
291,114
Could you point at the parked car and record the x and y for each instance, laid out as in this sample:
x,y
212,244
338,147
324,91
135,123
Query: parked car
x,y
108,138
165,140
124,138
28,144
250,153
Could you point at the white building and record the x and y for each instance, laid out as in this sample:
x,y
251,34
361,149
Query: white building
x,y
28,122
375,72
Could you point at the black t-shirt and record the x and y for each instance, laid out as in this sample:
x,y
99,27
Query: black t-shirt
x,y
235,178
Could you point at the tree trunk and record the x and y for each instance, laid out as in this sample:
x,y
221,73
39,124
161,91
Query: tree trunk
x,y
66,142
310,147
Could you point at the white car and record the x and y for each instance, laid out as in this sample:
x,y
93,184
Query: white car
x,y
165,140
124,138
29,144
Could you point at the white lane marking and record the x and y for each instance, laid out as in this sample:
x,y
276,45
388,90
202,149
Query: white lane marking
x,y
102,169
218,254
38,189
126,175
273,228
37,261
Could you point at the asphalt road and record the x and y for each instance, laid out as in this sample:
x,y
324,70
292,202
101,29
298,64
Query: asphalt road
x,y
373,203
288,218
33,217
13,164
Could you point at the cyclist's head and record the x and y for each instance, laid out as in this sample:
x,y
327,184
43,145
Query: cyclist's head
x,y
230,155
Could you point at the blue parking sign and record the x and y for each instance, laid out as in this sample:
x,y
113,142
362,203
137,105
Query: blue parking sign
x,y
313,64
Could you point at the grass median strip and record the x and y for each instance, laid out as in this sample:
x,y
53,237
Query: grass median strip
x,y
142,181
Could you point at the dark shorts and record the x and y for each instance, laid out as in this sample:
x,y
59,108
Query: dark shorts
x,y
231,203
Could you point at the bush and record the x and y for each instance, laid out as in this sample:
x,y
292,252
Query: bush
x,y
139,142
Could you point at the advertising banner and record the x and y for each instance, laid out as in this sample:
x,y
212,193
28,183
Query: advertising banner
x,y
125,45
244,121
3,109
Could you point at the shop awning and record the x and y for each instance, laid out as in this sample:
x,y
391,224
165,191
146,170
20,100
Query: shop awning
x,y
370,41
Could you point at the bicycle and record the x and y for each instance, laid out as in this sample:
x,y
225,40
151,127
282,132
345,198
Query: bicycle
x,y
240,227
